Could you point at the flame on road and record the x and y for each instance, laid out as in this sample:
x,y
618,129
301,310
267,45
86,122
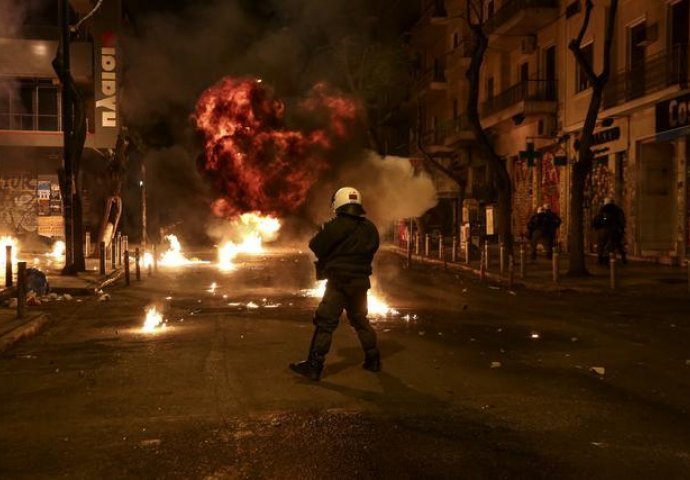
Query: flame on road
x,y
58,251
154,320
375,304
252,230
174,256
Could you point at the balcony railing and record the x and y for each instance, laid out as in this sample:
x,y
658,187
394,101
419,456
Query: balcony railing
x,y
534,90
653,74
444,130
30,122
512,8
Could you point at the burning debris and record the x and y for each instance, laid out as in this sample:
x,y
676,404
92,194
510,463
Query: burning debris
x,y
255,162
250,231
154,320
376,306
57,252
174,257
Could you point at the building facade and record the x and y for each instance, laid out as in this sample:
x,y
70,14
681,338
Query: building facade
x,y
30,107
533,103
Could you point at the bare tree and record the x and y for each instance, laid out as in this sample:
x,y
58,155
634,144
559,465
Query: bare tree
x,y
583,166
499,172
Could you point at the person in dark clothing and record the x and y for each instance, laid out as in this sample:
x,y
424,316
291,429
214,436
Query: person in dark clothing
x,y
610,226
542,229
344,249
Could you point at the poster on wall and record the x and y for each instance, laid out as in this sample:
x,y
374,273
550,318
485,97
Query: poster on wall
x,y
43,191
50,221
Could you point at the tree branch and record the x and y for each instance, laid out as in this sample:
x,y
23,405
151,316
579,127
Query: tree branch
x,y
575,45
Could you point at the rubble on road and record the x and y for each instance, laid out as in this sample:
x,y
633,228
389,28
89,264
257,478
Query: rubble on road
x,y
598,370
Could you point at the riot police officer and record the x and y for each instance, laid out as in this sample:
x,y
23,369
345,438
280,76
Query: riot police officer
x,y
344,249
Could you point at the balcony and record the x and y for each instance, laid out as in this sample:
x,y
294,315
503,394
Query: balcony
x,y
528,97
522,17
456,132
461,55
655,73
434,13
433,79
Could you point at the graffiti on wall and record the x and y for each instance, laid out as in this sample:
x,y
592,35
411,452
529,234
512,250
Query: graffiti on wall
x,y
18,204
522,195
550,183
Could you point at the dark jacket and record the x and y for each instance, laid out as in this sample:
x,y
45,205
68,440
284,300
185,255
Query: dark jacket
x,y
345,248
610,216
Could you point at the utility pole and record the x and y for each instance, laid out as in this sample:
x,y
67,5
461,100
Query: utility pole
x,y
144,220
67,180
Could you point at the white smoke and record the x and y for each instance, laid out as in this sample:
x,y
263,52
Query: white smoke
x,y
391,189
12,16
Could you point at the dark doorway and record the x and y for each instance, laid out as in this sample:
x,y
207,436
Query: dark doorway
x,y
550,72
679,20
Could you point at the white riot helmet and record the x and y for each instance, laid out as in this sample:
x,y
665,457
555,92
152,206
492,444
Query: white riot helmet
x,y
347,200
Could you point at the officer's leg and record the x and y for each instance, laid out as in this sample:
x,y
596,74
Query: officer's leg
x,y
534,241
326,321
357,314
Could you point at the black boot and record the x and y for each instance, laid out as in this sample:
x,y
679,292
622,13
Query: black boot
x,y
372,361
308,368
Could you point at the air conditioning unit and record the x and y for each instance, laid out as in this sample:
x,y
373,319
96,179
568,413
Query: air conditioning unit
x,y
529,44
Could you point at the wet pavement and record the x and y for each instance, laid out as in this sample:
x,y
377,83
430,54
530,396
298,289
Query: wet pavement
x,y
482,383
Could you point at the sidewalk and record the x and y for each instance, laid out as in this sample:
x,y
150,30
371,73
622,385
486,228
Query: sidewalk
x,y
631,278
13,329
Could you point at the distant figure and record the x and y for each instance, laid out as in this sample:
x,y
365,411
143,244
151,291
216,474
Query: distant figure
x,y
610,226
542,229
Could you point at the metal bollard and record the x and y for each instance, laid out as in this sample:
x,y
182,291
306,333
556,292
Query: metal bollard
x,y
416,244
522,260
101,258
511,272
113,255
467,252
486,256
501,257
126,261
554,265
440,247
613,271
125,242
408,252
119,247
454,249
21,289
137,264
482,267
427,240
149,269
8,266
155,257
87,243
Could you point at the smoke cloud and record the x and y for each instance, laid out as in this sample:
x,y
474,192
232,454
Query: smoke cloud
x,y
390,188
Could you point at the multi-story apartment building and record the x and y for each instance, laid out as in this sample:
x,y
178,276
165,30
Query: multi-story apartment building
x,y
30,106
534,99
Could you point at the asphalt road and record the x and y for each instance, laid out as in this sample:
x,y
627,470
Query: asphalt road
x,y
211,397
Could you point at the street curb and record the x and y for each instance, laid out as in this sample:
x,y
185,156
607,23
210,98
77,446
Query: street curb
x,y
109,279
32,327
492,277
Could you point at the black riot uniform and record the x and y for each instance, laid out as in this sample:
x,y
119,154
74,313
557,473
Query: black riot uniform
x,y
610,226
345,248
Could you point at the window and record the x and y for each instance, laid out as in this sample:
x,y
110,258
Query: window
x,y
29,105
581,80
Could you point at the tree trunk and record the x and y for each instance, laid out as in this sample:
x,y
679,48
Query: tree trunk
x,y
500,176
